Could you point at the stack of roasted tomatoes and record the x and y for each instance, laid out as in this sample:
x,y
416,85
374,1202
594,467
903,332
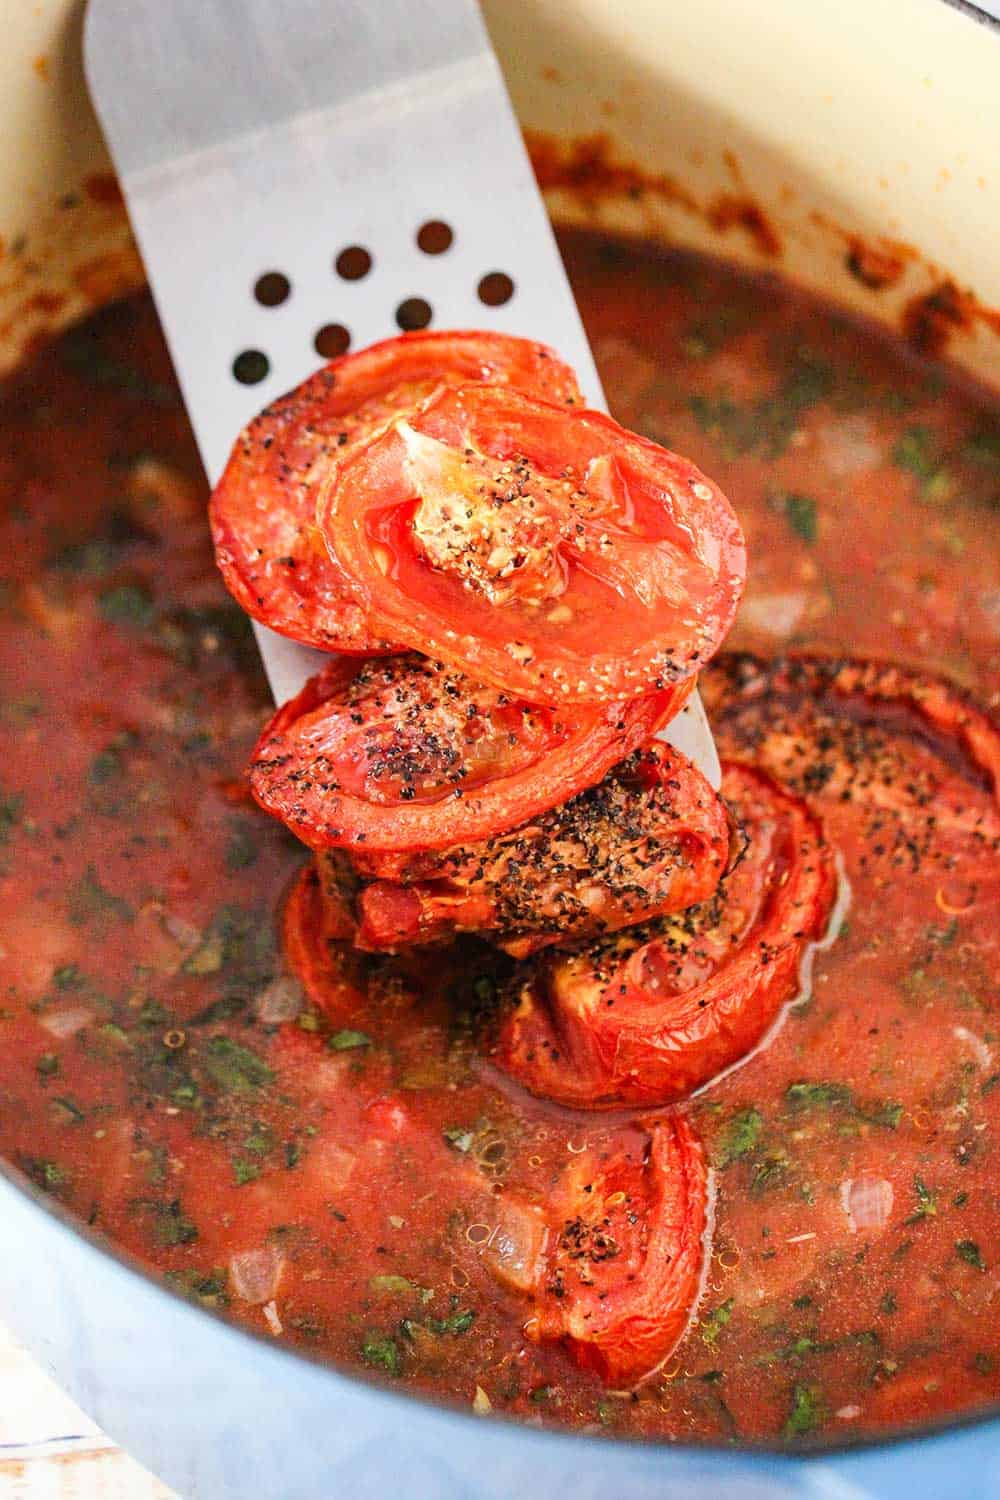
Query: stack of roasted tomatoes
x,y
518,595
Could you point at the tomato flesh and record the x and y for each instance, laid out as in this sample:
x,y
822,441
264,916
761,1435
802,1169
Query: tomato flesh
x,y
616,1277
652,1014
403,753
547,551
268,547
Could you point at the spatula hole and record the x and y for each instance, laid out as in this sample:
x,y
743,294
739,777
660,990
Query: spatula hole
x,y
353,262
413,313
332,340
495,288
435,237
272,289
251,367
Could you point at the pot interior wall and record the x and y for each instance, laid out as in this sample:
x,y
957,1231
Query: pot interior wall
x,y
776,135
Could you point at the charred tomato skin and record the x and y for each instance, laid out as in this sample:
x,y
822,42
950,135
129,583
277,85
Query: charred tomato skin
x,y
651,837
652,1016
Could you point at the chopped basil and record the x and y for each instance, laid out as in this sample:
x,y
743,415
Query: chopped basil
x,y
926,1202
457,1322
800,513
739,1137
48,1175
90,901
242,849
245,1171
913,452
839,1097
970,1252
11,813
128,605
714,1322
210,1290
171,1225
68,977
392,1284
806,1412
47,1065
233,1067
818,1095
983,448
381,1352
68,1109
346,1040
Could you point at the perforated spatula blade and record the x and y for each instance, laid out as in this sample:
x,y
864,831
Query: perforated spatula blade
x,y
258,142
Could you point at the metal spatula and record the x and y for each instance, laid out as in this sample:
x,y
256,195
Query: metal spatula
x,y
304,174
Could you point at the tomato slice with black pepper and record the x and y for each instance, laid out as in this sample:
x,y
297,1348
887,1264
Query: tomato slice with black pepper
x,y
544,550
651,837
653,1013
613,1259
262,513
403,753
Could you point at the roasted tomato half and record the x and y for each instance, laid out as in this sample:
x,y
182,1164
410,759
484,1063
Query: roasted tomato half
x,y
263,511
404,753
613,1258
548,551
651,837
651,1014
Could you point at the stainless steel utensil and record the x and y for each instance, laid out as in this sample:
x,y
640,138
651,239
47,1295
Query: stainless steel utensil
x,y
301,174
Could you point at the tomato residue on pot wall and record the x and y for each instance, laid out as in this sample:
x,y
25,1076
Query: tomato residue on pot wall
x,y
930,319
877,265
587,168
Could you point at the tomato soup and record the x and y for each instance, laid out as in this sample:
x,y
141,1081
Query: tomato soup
x,y
359,1180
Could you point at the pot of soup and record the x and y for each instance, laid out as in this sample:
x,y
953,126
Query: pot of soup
x,y
298,1198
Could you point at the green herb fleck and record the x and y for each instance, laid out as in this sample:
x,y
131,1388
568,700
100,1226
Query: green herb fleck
x,y
970,1252
234,1068
806,1412
739,1137
242,849
48,1175
346,1040
47,1065
714,1322
245,1171
926,1202
90,901
381,1352
210,1290
391,1285
800,513
128,605
11,813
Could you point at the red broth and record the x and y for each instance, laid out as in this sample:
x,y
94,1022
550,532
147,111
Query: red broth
x,y
332,1182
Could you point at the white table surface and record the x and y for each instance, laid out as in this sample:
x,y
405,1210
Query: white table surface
x,y
50,1451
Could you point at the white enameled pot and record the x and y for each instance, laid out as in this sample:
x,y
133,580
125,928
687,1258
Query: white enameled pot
x,y
876,120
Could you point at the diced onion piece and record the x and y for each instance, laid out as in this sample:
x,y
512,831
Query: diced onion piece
x,y
867,1202
255,1274
481,1403
67,1020
280,1001
512,1251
